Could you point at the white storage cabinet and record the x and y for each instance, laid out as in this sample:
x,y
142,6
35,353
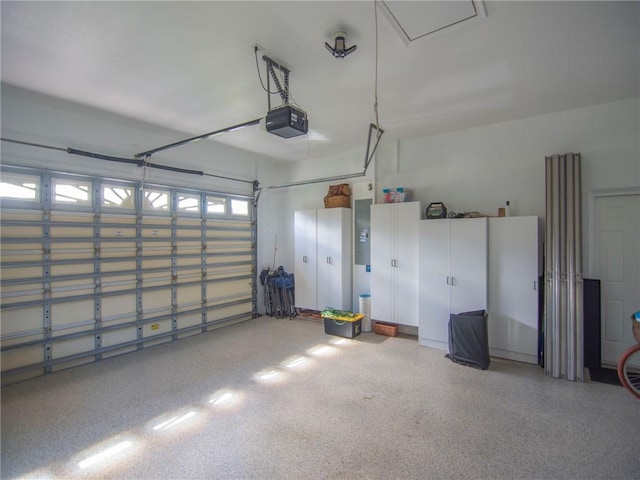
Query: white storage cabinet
x,y
453,274
394,265
306,259
323,262
514,268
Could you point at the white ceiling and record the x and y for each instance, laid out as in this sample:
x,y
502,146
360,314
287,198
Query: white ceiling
x,y
190,66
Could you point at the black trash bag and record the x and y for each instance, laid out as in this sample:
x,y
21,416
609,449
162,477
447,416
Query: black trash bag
x,y
469,339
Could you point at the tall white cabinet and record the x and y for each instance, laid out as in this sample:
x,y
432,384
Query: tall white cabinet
x,y
306,259
394,269
453,274
514,270
323,262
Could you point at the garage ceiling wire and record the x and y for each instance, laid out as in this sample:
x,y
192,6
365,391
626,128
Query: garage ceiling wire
x,y
199,137
375,102
139,163
367,160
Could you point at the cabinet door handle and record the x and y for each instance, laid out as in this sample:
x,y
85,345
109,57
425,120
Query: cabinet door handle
x,y
535,285
304,259
448,280
329,260
453,281
393,262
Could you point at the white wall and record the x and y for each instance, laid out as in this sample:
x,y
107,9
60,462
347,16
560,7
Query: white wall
x,y
479,169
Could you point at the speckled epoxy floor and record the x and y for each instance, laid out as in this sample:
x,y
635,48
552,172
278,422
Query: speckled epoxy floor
x,y
277,398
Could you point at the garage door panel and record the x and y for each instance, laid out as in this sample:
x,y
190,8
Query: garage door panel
x,y
72,251
156,300
231,311
22,232
228,273
213,262
118,232
164,221
119,284
21,320
21,358
72,347
71,313
73,363
156,328
159,228
109,322
116,337
118,351
120,305
71,217
156,280
157,263
75,269
22,377
189,262
189,333
22,216
31,292
158,341
17,273
71,232
71,288
189,248
189,274
190,233
21,252
108,267
189,320
156,248
108,219
100,279
218,291
124,249
215,248
189,295
9,341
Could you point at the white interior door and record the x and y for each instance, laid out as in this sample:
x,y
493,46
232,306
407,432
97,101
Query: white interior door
x,y
618,267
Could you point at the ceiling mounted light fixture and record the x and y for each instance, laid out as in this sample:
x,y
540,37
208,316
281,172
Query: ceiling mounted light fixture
x,y
339,49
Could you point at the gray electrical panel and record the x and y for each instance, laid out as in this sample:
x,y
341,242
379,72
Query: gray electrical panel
x,y
362,231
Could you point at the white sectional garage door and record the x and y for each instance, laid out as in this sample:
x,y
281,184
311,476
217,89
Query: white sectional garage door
x,y
93,268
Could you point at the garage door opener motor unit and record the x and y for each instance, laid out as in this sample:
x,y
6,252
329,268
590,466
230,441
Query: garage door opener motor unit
x,y
287,122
